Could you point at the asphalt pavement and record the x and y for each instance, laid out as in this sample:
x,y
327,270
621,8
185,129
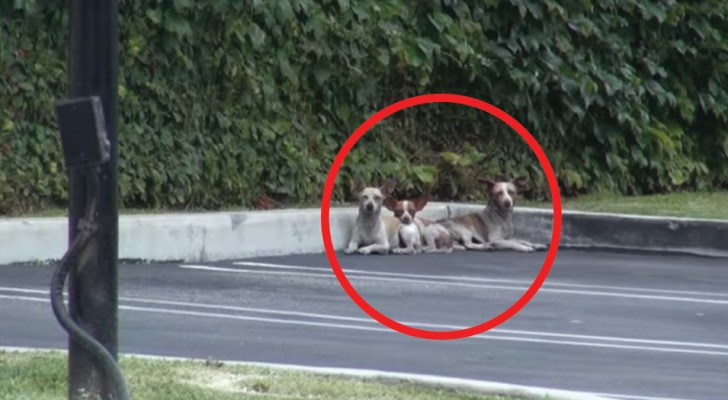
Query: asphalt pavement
x,y
631,326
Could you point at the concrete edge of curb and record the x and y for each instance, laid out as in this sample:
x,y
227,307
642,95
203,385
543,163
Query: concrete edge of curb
x,y
470,385
244,234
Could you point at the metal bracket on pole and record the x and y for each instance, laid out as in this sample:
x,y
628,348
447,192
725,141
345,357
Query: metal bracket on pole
x,y
83,132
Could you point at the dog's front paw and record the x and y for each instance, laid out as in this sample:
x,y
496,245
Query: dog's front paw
x,y
349,250
399,250
364,250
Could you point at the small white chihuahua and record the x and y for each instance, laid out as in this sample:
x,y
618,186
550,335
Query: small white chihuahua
x,y
410,233
414,230
373,232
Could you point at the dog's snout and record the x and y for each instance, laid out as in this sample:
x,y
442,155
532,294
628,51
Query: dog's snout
x,y
406,219
508,204
370,207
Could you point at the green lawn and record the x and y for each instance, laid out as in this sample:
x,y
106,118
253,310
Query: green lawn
x,y
686,204
42,376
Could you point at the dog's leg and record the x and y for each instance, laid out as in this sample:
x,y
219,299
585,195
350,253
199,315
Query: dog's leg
x,y
431,234
410,247
477,246
512,245
438,249
405,250
418,246
463,239
353,245
534,246
468,240
453,242
430,240
378,248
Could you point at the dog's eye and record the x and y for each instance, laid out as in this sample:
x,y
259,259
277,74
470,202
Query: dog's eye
x,y
377,198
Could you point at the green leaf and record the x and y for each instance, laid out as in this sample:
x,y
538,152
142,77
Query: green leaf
x,y
450,157
316,25
412,55
383,57
440,21
283,11
285,67
427,46
175,24
572,179
361,13
425,173
322,74
654,11
154,15
181,5
7,126
257,35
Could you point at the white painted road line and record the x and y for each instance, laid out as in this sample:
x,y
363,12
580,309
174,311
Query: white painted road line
x,y
419,324
25,290
24,298
476,279
462,284
487,336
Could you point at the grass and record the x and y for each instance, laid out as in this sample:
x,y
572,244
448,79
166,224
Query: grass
x,y
681,204
42,376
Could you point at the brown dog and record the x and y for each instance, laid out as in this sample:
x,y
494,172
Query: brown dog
x,y
493,227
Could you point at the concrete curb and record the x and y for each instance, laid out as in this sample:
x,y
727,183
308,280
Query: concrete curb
x,y
470,385
234,235
590,230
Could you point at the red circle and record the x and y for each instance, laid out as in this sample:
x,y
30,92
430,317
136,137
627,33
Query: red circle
x,y
329,187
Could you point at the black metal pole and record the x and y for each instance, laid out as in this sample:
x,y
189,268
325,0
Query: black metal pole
x,y
93,285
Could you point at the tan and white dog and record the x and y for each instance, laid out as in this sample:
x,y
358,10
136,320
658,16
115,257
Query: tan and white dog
x,y
493,227
414,231
373,232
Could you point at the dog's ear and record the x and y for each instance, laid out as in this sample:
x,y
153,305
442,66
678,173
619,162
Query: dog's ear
x,y
387,187
421,201
521,182
357,185
390,203
489,183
